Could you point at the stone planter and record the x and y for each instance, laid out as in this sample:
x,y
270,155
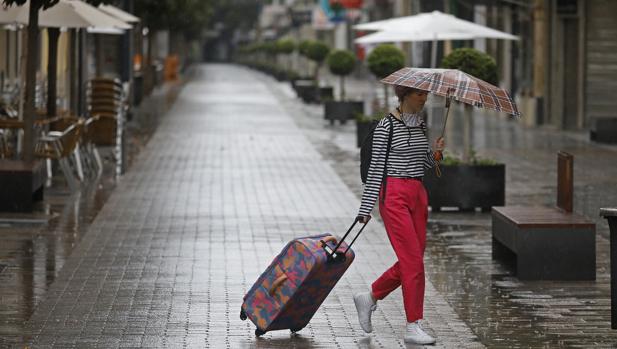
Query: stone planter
x,y
342,111
326,93
305,89
467,187
22,184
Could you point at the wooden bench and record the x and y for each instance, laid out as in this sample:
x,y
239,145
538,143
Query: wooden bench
x,y
547,243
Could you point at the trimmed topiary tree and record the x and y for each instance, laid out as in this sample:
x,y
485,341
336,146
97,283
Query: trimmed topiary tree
x,y
384,60
286,47
317,51
481,66
472,62
341,63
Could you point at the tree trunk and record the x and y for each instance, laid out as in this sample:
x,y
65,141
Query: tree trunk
x,y
342,88
29,107
467,133
385,101
52,71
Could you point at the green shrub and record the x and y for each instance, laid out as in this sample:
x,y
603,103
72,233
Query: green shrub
x,y
473,62
317,51
385,59
285,46
341,63
303,46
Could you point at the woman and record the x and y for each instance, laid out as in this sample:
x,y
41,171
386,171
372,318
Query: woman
x,y
404,209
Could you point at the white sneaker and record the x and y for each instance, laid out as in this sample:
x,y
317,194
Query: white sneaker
x,y
416,335
365,305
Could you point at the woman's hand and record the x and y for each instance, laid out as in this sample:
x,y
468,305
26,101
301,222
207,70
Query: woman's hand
x,y
363,219
440,144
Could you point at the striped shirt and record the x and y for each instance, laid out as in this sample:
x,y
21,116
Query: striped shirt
x,y
409,156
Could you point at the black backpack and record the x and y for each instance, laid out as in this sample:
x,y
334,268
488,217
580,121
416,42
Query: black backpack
x,y
367,149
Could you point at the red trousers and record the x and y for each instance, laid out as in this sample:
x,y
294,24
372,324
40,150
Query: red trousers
x,y
404,213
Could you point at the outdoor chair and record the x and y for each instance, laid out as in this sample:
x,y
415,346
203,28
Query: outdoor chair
x,y
61,146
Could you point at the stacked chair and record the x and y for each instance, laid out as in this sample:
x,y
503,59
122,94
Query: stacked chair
x,y
107,103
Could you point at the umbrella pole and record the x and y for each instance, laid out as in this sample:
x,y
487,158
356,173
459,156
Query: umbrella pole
x,y
443,130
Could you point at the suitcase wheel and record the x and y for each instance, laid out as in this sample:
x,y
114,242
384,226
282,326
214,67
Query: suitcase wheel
x,y
242,315
259,332
294,330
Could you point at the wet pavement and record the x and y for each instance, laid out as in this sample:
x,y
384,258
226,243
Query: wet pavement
x,y
235,170
35,245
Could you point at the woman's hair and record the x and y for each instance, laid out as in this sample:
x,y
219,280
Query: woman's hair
x,y
402,91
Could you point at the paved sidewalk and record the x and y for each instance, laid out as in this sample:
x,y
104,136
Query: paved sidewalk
x,y
227,179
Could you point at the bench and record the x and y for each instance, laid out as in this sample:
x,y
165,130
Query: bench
x,y
547,243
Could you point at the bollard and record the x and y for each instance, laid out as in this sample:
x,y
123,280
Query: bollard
x,y
611,215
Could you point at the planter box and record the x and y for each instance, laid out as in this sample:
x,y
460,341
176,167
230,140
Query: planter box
x,y
362,130
22,184
467,187
306,91
326,93
604,130
342,111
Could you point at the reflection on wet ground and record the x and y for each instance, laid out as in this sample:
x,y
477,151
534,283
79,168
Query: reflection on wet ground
x,y
33,254
35,246
501,310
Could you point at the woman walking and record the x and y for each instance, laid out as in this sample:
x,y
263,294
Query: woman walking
x,y
403,205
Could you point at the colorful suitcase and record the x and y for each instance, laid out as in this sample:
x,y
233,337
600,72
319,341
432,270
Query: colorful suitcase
x,y
289,292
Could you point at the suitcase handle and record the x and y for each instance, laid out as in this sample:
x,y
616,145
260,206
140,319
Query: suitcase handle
x,y
276,284
332,253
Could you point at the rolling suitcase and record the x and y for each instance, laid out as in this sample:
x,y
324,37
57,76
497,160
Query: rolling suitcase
x,y
289,292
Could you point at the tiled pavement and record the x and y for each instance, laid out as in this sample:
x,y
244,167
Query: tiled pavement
x,y
226,180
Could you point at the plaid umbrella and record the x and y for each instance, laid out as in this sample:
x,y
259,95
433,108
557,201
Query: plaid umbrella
x,y
452,83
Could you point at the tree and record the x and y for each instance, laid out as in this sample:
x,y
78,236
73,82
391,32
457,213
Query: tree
x,y
480,65
384,60
472,62
342,63
286,47
31,61
317,51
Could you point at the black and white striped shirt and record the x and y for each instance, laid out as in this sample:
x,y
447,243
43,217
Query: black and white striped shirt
x,y
409,156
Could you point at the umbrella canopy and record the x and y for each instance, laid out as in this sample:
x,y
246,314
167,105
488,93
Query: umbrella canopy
x,y
455,84
390,36
118,13
433,24
66,14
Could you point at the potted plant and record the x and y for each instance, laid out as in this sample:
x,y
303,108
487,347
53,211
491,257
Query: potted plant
x,y
384,60
469,182
286,47
342,63
304,85
317,51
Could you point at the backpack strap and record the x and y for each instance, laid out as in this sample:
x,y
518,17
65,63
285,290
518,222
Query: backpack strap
x,y
384,177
